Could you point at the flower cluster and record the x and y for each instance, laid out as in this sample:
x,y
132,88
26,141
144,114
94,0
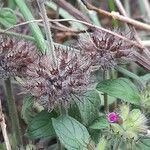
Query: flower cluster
x,y
106,50
112,117
15,56
49,86
56,86
133,123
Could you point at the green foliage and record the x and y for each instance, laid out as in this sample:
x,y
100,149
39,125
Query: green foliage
x,y
84,120
100,123
102,143
143,144
41,125
120,88
112,7
28,112
7,17
88,105
34,28
72,134
74,112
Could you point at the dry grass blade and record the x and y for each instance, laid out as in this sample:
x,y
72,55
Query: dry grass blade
x,y
3,127
117,16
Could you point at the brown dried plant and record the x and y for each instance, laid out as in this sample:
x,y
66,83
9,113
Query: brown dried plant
x,y
106,50
15,56
56,86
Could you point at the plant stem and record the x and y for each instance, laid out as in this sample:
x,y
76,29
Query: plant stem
x,y
106,106
117,16
114,75
27,37
33,26
47,28
85,23
62,111
113,8
13,112
3,127
60,146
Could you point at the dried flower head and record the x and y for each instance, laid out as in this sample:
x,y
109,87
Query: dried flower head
x,y
56,86
105,49
15,56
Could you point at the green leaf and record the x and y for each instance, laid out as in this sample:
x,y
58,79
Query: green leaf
x,y
88,104
34,28
143,144
27,112
145,78
72,134
74,112
95,135
7,17
100,123
41,125
102,145
120,88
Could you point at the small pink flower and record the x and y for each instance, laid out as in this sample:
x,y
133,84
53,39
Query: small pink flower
x,y
112,117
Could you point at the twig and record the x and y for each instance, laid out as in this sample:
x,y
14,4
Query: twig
x,y
72,10
64,28
116,15
47,28
3,127
122,10
146,43
57,23
88,24
145,52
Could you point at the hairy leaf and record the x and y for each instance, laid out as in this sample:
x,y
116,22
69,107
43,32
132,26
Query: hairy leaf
x,y
100,123
27,111
7,17
89,105
72,134
120,88
41,125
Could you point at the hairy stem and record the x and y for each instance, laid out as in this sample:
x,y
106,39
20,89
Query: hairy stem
x,y
60,146
106,106
47,27
13,112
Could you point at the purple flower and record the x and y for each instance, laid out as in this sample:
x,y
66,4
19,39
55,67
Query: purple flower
x,y
112,117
